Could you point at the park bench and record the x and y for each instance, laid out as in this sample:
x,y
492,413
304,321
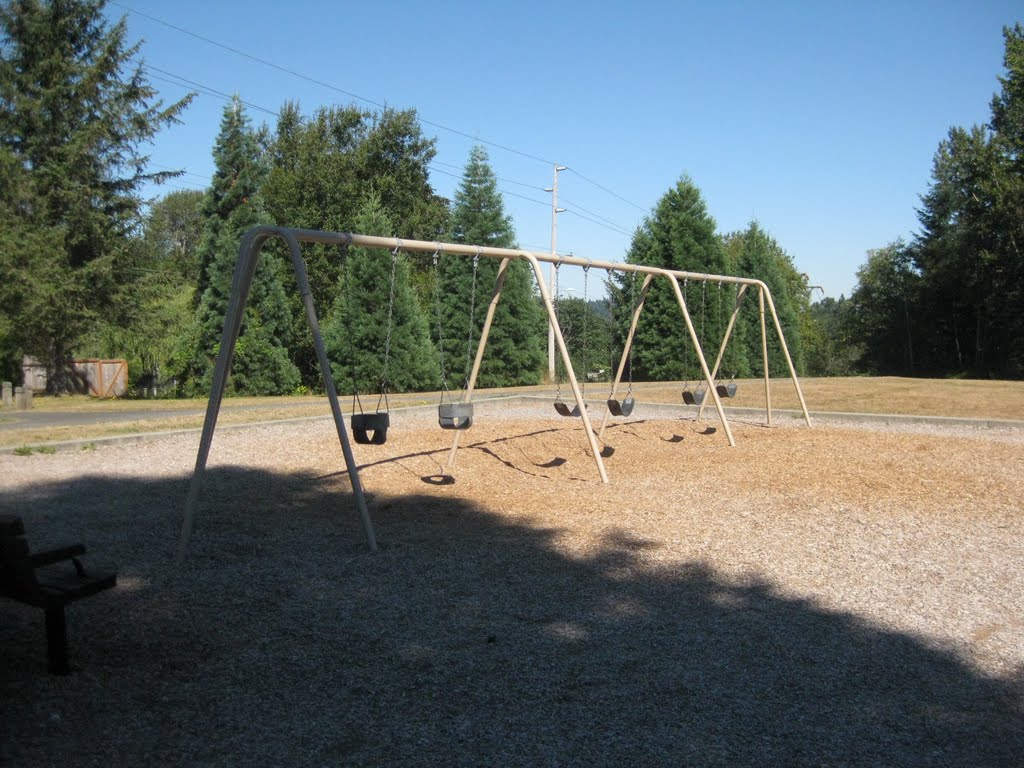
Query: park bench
x,y
48,580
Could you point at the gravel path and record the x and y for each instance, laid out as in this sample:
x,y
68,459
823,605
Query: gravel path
x,y
842,595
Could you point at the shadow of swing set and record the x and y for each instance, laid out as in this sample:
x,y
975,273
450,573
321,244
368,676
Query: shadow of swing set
x,y
370,428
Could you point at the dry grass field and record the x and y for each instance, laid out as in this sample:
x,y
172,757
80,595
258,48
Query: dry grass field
x,y
847,594
924,397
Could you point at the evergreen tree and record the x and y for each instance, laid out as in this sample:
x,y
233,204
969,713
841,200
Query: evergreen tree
x,y
322,168
74,112
173,231
586,328
970,251
887,288
679,235
370,342
232,205
515,348
755,254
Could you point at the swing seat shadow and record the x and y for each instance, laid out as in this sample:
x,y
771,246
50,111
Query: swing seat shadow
x,y
439,479
555,462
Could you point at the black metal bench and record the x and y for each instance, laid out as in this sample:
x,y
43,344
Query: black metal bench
x,y
48,580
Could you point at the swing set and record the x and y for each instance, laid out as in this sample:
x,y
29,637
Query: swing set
x,y
372,427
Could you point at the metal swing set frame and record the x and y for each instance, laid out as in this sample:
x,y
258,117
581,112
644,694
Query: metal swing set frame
x,y
245,269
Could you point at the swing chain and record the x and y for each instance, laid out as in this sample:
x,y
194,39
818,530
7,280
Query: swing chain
x,y
472,325
632,311
346,290
721,326
558,373
391,312
586,312
440,323
703,303
686,349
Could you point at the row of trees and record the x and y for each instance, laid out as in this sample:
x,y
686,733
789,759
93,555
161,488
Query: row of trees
x,y
948,302
89,270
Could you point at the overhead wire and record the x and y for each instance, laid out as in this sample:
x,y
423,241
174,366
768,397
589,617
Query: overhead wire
x,y
321,83
356,96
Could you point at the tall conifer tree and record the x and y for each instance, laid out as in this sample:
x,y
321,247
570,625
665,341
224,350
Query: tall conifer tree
x,y
679,235
754,253
376,335
232,205
515,350
74,112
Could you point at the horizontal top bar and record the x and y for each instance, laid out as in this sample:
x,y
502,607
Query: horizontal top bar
x,y
427,246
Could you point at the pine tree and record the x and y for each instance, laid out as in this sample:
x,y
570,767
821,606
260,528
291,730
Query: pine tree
x,y
377,336
755,254
515,352
74,112
321,169
232,205
679,235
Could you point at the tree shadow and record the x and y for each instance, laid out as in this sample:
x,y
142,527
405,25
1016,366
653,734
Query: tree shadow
x,y
468,639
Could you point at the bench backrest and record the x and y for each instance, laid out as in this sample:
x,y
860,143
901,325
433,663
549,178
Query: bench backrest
x,y
17,574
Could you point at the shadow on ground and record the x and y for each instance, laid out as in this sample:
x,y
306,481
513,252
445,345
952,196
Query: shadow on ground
x,y
467,640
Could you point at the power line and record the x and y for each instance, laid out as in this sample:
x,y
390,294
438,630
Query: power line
x,y
321,83
595,215
183,172
605,189
617,230
499,178
356,96
503,191
204,89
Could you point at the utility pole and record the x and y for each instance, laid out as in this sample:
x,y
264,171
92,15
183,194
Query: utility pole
x,y
552,274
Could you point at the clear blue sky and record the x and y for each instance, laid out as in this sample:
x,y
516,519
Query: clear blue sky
x,y
818,119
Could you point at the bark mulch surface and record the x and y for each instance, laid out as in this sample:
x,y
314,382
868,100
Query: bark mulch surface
x,y
841,595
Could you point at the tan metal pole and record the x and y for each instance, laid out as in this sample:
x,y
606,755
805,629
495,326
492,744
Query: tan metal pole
x,y
484,333
764,353
625,350
560,341
700,356
789,360
241,283
725,341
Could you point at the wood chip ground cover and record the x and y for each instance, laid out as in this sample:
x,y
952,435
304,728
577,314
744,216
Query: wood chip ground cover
x,y
842,595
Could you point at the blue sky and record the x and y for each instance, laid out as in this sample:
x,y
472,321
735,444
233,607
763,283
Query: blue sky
x,y
819,119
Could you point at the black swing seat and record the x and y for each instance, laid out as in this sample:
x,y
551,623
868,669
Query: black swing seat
x,y
49,580
726,390
623,408
562,409
370,428
693,398
455,415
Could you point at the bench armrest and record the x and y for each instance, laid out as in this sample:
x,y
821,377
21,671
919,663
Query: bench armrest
x,y
51,556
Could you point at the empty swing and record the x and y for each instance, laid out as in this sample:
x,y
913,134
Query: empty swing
x,y
452,414
728,389
625,407
561,408
372,428
695,396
